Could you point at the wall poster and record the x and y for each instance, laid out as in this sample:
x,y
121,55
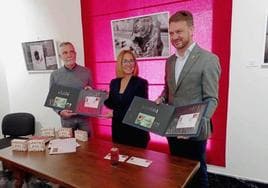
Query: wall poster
x,y
40,56
146,35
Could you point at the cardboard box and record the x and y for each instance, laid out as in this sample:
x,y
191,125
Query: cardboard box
x,y
19,145
81,135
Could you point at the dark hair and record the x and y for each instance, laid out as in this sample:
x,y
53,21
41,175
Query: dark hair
x,y
182,15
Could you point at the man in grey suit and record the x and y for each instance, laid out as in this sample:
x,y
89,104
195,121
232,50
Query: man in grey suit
x,y
192,76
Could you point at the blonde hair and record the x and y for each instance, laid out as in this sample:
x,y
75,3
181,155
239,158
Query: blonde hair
x,y
119,68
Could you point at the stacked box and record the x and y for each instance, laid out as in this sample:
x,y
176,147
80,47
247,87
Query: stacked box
x,y
81,135
65,132
19,145
49,132
36,145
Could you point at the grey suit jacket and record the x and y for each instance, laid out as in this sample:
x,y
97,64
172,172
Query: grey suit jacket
x,y
198,82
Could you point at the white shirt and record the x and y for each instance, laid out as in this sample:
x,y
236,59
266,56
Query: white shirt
x,y
181,60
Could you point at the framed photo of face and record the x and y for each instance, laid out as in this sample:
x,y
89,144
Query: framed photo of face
x,y
147,35
40,56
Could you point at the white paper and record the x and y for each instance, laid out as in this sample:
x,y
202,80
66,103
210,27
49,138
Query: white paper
x,y
92,102
139,161
51,60
58,146
187,120
122,158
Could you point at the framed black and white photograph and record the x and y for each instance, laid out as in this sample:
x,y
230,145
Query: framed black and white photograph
x,y
146,35
40,55
265,62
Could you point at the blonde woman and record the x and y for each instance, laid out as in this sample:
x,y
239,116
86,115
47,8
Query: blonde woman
x,y
123,88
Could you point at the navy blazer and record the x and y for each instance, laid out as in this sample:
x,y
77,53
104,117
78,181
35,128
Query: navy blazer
x,y
119,103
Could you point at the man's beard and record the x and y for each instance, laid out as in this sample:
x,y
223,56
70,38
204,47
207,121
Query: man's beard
x,y
181,44
69,63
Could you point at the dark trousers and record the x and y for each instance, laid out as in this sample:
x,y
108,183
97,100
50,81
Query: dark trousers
x,y
195,150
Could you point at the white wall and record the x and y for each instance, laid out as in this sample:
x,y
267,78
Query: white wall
x,y
31,20
4,99
247,130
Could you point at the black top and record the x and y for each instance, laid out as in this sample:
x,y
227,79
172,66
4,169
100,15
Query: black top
x,y
119,103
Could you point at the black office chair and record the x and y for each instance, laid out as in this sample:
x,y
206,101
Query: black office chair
x,y
15,125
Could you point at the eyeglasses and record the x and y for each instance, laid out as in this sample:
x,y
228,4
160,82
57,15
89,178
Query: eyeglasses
x,y
125,61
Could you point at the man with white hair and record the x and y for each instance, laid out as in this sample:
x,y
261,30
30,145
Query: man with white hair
x,y
74,76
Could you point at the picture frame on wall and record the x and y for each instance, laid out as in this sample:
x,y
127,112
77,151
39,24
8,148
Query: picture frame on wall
x,y
40,56
146,35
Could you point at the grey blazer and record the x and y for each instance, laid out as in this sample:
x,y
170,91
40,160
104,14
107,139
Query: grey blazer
x,y
198,82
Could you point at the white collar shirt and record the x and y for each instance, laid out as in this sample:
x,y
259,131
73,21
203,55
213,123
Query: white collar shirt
x,y
181,60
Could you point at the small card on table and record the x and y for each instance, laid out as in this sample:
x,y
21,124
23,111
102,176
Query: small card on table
x,y
139,161
122,158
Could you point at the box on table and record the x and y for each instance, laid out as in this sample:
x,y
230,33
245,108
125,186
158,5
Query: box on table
x,y
37,144
50,132
81,135
19,145
65,132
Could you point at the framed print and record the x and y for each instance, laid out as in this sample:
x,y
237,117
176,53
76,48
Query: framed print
x,y
146,35
165,120
84,102
40,55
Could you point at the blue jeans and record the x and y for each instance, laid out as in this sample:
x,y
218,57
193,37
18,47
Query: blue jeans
x,y
195,150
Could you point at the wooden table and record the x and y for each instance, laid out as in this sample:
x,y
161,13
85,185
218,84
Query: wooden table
x,y
88,168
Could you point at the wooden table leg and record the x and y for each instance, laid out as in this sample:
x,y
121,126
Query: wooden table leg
x,y
19,178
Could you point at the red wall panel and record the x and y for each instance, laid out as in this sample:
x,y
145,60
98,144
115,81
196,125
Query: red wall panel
x,y
212,31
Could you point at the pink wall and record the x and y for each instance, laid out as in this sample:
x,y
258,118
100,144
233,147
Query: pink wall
x,y
99,55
